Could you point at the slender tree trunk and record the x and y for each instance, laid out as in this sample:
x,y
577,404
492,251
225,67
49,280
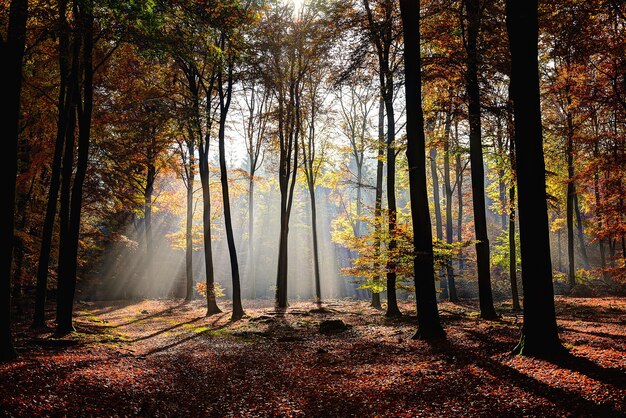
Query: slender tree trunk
x,y
69,252
558,235
487,311
449,192
581,234
11,56
429,326
571,191
459,221
316,258
378,199
438,217
539,333
64,280
512,250
147,206
392,302
65,96
251,267
212,307
189,295
502,190
596,189
225,97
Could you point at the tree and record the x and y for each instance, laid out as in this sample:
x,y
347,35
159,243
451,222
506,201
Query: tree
x,y
487,311
225,91
429,326
11,54
71,202
539,333
383,33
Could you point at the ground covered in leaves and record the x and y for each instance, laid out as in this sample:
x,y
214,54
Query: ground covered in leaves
x,y
165,358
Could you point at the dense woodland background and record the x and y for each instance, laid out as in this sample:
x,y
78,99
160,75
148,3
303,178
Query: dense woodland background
x,y
253,149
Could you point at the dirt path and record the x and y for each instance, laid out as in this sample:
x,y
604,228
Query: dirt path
x,y
164,358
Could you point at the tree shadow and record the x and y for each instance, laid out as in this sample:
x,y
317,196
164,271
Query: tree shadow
x,y
582,365
567,400
183,340
164,330
164,312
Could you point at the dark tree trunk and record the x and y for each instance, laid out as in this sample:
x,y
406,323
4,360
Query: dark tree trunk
x,y
581,234
459,221
449,192
147,210
512,246
378,199
429,326
11,56
539,333
596,188
487,311
225,97
251,260
212,307
189,295
64,106
64,268
512,250
438,217
571,191
68,256
289,132
316,258
392,301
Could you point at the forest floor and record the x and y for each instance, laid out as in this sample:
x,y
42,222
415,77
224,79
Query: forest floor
x,y
165,358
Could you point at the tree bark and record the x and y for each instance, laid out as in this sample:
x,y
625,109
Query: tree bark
x,y
539,333
225,97
378,199
11,56
449,192
429,326
438,218
64,107
487,311
571,191
68,256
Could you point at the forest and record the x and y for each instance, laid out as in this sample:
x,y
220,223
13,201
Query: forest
x,y
313,208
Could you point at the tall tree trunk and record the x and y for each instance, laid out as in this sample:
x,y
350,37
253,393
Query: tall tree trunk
x,y
64,268
429,326
438,217
596,189
571,191
539,333
392,302
558,234
147,210
487,311
316,258
378,199
449,192
512,244
287,180
68,257
512,250
251,260
459,221
189,295
225,97
212,307
64,106
11,56
581,234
